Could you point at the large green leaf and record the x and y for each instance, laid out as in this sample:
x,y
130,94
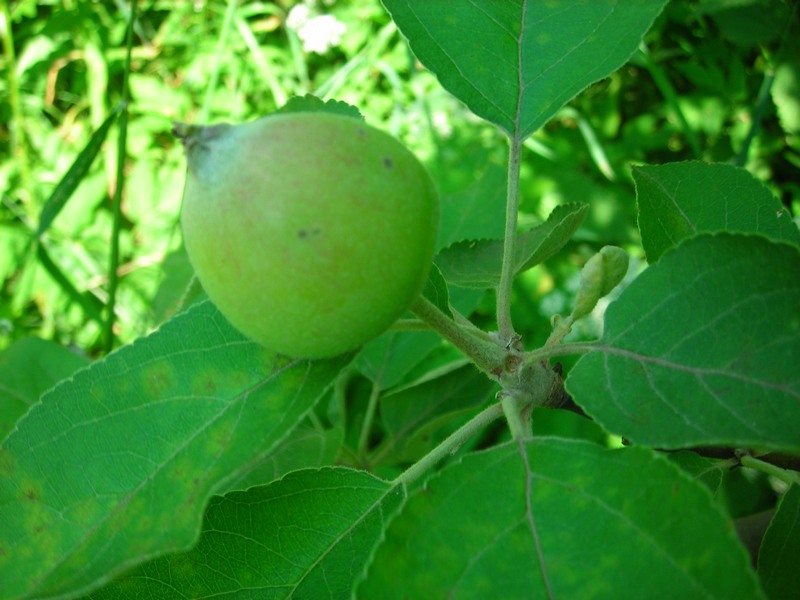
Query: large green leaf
x,y
478,263
702,349
560,518
679,200
516,62
116,465
308,535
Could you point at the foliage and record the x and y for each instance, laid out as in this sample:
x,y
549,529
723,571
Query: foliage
x,y
452,455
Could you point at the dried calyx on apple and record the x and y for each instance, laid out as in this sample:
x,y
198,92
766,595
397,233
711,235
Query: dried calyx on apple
x,y
311,232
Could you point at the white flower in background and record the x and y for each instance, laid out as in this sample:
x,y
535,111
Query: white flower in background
x,y
298,16
318,33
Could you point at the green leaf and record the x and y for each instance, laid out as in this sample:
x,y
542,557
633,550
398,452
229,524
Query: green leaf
x,y
707,471
477,212
779,553
562,519
116,465
389,357
680,200
702,349
75,175
306,447
515,63
311,103
413,413
27,368
477,264
436,291
309,535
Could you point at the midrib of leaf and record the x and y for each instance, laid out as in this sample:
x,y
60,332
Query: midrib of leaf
x,y
530,518
675,204
347,532
697,371
523,85
92,531
520,81
624,518
453,64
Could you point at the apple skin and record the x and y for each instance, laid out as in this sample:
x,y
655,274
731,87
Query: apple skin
x,y
311,232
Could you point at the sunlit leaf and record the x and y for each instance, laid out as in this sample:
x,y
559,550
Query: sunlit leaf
x,y
515,63
702,349
116,465
310,103
72,178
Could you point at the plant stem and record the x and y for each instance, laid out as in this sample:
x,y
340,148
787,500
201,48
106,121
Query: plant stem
x,y
548,352
451,444
770,469
504,324
519,431
486,355
369,417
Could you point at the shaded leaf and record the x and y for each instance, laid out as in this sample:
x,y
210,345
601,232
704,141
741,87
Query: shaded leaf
x,y
680,200
516,63
27,368
389,357
308,535
563,519
306,447
412,413
116,465
779,555
436,291
477,264
702,349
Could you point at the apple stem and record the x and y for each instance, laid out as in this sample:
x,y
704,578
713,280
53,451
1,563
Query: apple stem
x,y
487,355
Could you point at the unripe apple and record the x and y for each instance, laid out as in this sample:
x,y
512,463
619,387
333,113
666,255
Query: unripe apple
x,y
311,232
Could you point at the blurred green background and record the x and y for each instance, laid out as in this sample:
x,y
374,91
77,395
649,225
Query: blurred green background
x,y
715,80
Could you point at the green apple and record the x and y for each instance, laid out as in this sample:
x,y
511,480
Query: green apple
x,y
311,232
